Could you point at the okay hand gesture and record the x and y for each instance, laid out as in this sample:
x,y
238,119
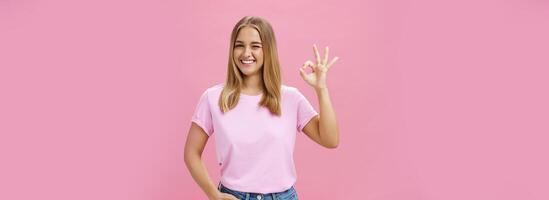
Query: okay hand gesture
x,y
317,78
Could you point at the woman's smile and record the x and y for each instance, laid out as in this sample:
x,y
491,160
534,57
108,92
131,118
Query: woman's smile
x,y
247,62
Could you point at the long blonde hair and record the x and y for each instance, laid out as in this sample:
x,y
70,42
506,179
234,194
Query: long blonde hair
x,y
270,70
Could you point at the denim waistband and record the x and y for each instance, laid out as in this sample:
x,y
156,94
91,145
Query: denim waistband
x,y
287,194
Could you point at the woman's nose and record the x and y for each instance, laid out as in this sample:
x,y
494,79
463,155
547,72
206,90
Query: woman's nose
x,y
247,52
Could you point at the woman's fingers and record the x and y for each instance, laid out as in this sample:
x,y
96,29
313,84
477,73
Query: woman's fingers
x,y
307,64
234,198
302,72
317,55
226,196
325,61
310,64
332,62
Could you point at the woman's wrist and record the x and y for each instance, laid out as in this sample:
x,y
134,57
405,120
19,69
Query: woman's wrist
x,y
212,192
213,195
321,89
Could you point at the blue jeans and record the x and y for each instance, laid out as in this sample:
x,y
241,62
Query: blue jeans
x,y
289,194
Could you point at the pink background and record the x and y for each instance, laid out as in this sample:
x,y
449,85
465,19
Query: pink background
x,y
437,100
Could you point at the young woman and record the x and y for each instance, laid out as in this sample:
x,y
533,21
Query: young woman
x,y
255,119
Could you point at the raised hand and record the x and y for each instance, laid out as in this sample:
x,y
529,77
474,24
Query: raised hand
x,y
317,78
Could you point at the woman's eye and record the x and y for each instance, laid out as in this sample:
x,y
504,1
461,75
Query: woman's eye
x,y
241,46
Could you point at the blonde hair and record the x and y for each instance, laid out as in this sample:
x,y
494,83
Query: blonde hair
x,y
270,70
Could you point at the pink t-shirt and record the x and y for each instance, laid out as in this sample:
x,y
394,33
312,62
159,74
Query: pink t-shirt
x,y
254,148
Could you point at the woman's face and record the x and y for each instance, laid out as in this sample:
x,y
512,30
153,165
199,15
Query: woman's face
x,y
248,51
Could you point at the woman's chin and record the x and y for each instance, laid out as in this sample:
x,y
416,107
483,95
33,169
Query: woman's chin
x,y
248,70
246,73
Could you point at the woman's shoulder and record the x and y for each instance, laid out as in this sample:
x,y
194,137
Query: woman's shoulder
x,y
214,88
290,91
287,88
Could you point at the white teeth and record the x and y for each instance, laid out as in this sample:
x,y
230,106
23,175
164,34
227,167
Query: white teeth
x,y
248,61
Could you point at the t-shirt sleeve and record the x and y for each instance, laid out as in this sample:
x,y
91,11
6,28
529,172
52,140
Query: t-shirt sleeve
x,y
202,114
305,111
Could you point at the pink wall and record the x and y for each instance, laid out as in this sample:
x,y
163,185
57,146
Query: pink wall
x,y
437,100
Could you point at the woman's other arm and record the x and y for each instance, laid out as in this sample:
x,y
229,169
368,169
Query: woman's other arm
x,y
196,141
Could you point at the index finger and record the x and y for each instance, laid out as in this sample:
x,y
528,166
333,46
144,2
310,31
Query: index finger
x,y
317,55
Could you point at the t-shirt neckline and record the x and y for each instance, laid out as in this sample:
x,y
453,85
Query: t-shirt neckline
x,y
249,96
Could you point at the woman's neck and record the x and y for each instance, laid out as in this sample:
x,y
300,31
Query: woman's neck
x,y
253,84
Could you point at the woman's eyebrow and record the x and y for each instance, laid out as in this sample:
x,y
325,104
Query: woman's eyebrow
x,y
254,42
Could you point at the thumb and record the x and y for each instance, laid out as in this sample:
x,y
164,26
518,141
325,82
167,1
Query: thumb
x,y
302,72
309,64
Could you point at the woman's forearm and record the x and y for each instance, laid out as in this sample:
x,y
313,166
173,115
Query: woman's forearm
x,y
328,129
200,174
